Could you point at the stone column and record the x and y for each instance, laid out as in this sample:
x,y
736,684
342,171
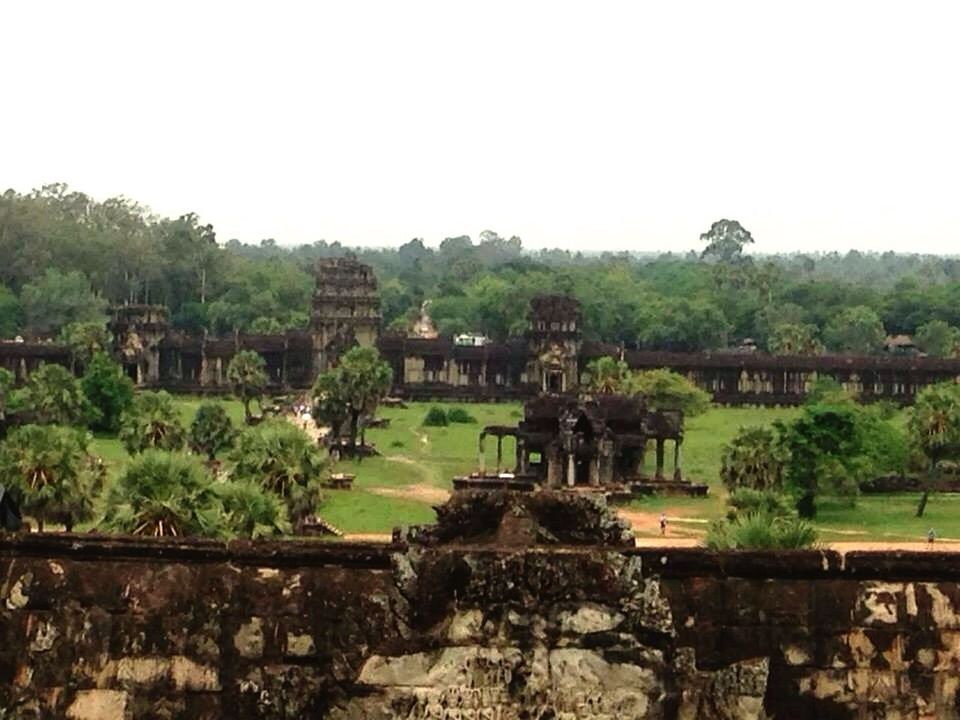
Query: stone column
x,y
499,452
595,471
554,470
677,475
659,473
571,470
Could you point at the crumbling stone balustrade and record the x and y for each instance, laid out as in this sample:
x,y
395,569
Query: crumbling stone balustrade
x,y
451,626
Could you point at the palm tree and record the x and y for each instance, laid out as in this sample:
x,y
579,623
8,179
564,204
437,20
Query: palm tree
x,y
283,459
252,511
934,427
165,494
754,460
607,375
211,430
247,373
52,472
152,422
354,389
54,396
7,381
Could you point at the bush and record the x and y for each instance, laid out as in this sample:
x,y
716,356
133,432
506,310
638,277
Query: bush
x,y
152,422
211,430
753,459
51,473
54,396
459,415
283,459
668,390
747,501
761,531
253,512
436,417
165,494
108,390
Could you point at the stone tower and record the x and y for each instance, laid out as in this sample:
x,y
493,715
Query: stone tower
x,y
137,333
346,309
554,338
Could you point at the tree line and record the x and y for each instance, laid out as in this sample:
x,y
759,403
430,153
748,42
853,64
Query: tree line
x,y
207,478
53,242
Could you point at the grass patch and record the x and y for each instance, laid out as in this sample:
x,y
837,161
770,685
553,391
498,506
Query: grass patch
x,y
360,511
416,455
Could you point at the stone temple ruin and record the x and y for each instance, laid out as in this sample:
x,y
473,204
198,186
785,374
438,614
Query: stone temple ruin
x,y
549,357
586,442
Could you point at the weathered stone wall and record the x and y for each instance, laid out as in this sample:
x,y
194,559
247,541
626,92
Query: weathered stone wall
x,y
101,628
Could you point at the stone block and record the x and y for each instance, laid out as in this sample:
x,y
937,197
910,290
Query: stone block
x,y
100,705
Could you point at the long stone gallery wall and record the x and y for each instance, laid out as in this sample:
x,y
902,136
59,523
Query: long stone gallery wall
x,y
107,628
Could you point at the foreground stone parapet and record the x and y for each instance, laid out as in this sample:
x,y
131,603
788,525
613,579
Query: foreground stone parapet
x,y
96,627
509,519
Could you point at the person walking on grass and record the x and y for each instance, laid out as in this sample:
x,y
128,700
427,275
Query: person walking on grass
x,y
663,523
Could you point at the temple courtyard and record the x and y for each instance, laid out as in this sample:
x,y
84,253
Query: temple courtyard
x,y
416,464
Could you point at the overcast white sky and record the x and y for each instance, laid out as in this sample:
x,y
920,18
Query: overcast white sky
x,y
592,125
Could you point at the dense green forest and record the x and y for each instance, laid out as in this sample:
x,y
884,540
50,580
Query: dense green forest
x,y
65,257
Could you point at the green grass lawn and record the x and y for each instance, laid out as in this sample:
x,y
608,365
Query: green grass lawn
x,y
399,486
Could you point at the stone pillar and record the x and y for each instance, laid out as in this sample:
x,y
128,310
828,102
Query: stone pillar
x,y
554,470
677,475
571,470
519,464
499,452
659,473
595,471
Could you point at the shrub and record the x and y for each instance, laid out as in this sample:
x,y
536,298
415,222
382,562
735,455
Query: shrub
x,y
51,472
165,494
253,512
753,459
460,415
152,422
108,390
747,501
668,390
436,417
761,531
211,430
282,459
53,394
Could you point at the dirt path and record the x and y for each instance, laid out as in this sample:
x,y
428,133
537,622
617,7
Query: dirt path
x,y
368,537
311,428
420,492
645,523
690,542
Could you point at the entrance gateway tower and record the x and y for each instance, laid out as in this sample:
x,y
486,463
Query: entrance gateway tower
x,y
345,310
